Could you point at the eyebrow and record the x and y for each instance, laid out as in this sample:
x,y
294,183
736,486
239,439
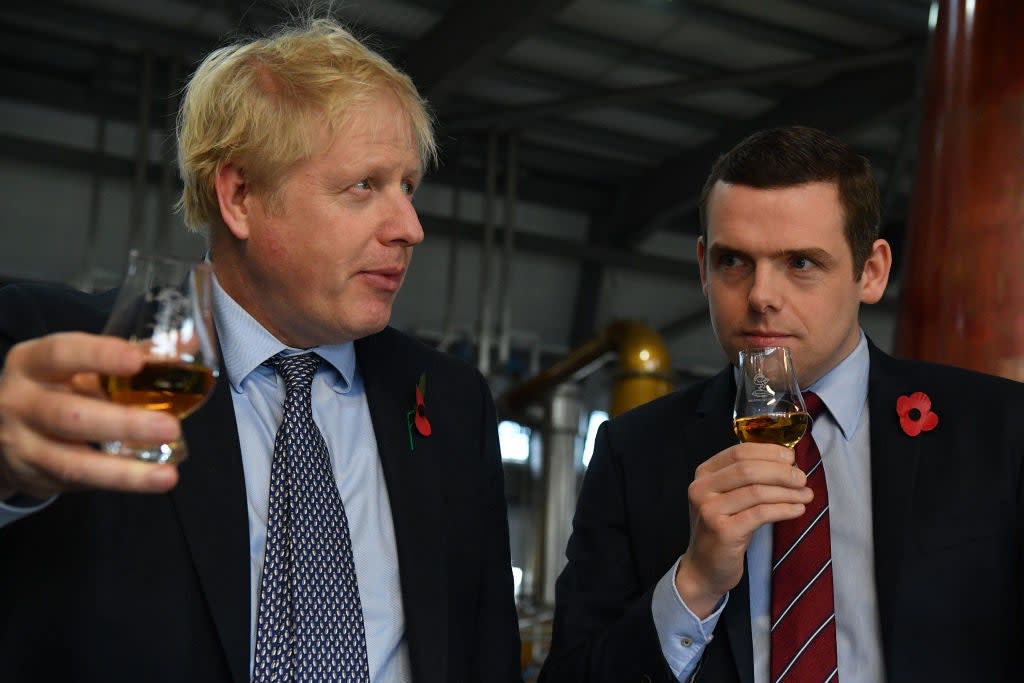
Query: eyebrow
x,y
813,253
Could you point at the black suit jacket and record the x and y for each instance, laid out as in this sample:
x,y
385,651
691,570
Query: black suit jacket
x,y
105,586
947,511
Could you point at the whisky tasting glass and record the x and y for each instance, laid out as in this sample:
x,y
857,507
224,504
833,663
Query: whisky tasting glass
x,y
165,308
769,406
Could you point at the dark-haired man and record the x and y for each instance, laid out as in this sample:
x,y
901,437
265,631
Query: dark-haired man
x,y
896,555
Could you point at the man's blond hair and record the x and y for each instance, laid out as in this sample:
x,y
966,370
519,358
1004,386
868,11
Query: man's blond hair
x,y
256,104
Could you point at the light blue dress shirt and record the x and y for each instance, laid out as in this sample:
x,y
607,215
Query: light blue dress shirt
x,y
341,412
842,434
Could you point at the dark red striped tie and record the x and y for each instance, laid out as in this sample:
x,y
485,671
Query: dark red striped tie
x,y
803,641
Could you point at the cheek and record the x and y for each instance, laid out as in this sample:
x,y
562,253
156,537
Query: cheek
x,y
285,262
269,244
276,250
726,302
828,316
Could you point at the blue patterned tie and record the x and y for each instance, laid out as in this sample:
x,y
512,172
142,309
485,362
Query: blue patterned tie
x,y
310,624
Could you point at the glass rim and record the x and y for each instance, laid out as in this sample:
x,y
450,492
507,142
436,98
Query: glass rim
x,y
765,350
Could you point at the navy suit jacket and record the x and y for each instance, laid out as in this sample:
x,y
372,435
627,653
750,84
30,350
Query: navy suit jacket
x,y
948,519
103,586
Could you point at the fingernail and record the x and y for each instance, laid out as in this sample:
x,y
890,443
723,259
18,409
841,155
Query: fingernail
x,y
163,476
163,426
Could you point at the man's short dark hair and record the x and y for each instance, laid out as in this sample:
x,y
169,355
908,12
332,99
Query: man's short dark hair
x,y
794,155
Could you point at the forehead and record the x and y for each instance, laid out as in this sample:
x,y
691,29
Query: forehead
x,y
809,212
382,119
380,129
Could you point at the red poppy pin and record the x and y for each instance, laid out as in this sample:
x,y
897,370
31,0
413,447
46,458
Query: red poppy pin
x,y
418,415
916,414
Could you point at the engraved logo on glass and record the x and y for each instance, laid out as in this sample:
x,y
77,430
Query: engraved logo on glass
x,y
172,322
761,389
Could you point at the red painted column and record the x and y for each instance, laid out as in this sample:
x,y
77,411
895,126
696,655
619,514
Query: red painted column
x,y
963,281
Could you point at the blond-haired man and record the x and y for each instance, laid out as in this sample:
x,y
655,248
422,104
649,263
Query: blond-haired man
x,y
300,154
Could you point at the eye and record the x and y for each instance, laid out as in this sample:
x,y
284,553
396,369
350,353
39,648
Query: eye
x,y
802,263
409,187
363,184
728,261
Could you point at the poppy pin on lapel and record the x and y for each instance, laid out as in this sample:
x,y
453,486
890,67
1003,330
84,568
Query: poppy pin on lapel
x,y
418,415
915,412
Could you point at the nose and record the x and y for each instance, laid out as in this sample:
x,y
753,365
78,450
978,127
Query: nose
x,y
765,293
402,225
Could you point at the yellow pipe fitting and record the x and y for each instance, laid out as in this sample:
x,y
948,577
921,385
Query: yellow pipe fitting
x,y
644,369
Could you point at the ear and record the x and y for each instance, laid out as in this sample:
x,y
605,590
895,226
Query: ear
x,y
234,195
701,252
875,277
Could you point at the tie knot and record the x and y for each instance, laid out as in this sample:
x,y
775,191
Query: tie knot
x,y
814,404
297,371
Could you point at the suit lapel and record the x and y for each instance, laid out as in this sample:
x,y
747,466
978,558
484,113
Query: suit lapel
x,y
211,505
894,460
704,436
414,484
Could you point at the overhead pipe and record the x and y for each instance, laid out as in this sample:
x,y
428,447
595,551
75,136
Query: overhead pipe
x,y
92,227
484,317
163,226
448,321
138,208
554,507
508,253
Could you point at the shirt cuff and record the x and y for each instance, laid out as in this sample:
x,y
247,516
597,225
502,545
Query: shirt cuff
x,y
682,635
17,507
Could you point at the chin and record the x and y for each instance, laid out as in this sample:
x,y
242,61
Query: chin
x,y
369,325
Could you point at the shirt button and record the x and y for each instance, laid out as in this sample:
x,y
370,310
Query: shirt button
x,y
686,641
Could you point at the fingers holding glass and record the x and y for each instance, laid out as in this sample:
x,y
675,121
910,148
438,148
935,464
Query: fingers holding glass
x,y
769,407
165,309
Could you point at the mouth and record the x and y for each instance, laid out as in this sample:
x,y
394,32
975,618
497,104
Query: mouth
x,y
386,279
762,338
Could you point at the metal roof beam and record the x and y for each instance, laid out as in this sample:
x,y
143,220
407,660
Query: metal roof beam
x,y
469,38
62,92
708,12
631,53
837,105
575,88
569,250
909,19
96,27
513,116
546,176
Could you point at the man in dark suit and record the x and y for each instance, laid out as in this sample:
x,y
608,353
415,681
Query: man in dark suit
x,y
677,553
300,154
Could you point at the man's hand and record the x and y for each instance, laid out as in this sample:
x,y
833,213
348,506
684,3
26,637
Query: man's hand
x,y
733,494
51,408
